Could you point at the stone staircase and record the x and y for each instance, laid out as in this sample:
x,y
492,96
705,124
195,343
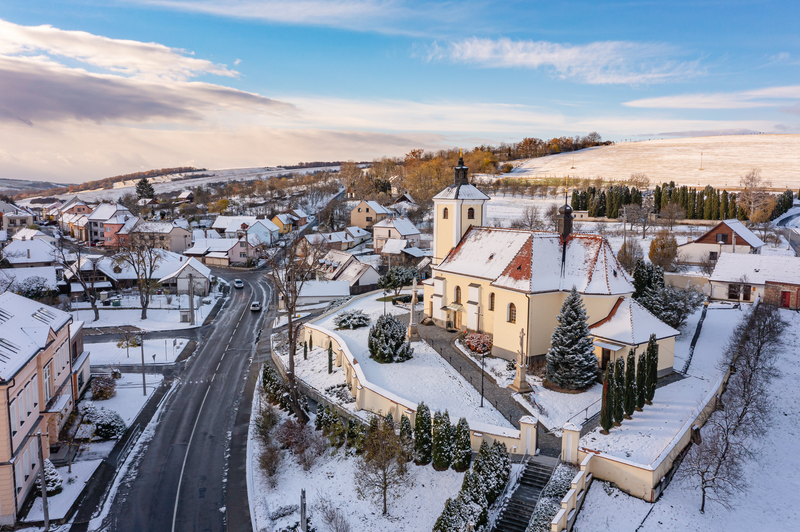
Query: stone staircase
x,y
518,510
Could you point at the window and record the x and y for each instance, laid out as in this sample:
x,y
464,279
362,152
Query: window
x,y
367,209
722,238
35,385
470,214
491,301
80,380
18,473
458,294
161,238
48,387
445,214
242,244
26,463
14,417
108,239
369,218
712,256
512,313
359,209
242,255
28,399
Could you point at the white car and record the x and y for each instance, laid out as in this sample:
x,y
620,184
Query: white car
x,y
238,283
255,306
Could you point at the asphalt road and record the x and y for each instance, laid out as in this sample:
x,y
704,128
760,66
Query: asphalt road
x,y
792,238
181,478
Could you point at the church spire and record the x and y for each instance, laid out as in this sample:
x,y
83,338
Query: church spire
x,y
460,172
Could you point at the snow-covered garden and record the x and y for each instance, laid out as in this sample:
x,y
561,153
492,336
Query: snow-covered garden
x,y
166,350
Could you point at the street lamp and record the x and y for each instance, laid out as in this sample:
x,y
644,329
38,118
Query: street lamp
x,y
483,359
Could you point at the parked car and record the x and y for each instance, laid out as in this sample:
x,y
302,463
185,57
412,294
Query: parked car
x,y
237,283
255,306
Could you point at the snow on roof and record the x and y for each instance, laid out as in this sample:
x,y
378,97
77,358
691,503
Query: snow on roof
x,y
743,232
376,207
414,252
199,234
461,191
329,238
224,222
394,246
105,211
629,323
155,227
756,269
40,251
404,226
168,263
300,213
357,232
3,235
268,224
213,245
183,223
185,194
15,277
286,218
198,266
325,289
484,252
217,255
353,272
24,330
27,234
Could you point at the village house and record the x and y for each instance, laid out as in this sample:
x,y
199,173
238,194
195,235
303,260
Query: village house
x,y
32,234
29,253
165,235
728,236
14,218
323,242
48,278
222,251
105,221
187,196
342,266
51,211
359,235
775,279
368,213
178,281
394,228
286,223
301,215
36,393
512,283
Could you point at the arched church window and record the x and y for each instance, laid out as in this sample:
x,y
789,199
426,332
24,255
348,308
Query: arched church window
x,y
458,294
445,214
470,214
512,313
491,301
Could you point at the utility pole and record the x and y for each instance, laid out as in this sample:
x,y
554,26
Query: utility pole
x,y
44,483
191,297
303,519
144,376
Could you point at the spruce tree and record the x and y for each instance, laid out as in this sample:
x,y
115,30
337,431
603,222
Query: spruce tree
x,y
144,189
423,446
442,434
473,491
330,357
462,454
571,362
630,385
501,466
641,381
619,391
305,351
652,369
607,406
389,421
407,436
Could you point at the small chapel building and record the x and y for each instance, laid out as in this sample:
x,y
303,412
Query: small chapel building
x,y
512,283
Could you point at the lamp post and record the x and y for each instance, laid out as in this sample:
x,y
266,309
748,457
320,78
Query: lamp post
x,y
144,376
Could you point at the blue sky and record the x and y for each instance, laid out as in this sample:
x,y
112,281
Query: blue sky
x,y
90,89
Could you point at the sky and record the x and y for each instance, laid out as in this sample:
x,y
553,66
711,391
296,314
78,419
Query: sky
x,y
91,89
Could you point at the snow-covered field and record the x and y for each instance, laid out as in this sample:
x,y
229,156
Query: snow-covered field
x,y
426,377
166,351
725,160
72,485
644,437
157,319
768,503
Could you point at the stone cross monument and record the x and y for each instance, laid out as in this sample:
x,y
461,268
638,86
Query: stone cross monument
x,y
413,330
521,385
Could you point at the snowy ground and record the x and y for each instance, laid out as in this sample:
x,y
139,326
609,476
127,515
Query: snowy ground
x,y
332,476
157,319
725,160
59,505
282,320
426,377
157,302
497,367
644,437
559,408
107,353
770,500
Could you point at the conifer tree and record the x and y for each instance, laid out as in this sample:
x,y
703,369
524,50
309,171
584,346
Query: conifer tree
x,y
330,357
501,465
630,385
652,369
452,518
407,436
144,189
305,350
442,441
641,381
607,406
473,491
619,391
389,421
423,445
571,362
462,453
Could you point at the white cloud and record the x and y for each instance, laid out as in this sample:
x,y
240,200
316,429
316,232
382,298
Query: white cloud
x,y
607,62
766,97
131,58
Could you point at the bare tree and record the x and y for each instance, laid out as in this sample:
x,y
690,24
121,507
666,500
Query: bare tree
x,y
81,267
332,516
706,264
639,180
639,215
382,470
531,220
672,213
551,216
288,272
143,256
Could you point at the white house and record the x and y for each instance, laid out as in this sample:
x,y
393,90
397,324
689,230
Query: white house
x,y
728,236
394,228
29,253
32,234
313,292
774,278
179,279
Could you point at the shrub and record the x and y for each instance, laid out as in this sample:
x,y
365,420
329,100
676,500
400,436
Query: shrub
x,y
351,319
303,442
265,421
52,479
479,343
268,461
387,340
274,388
108,425
103,387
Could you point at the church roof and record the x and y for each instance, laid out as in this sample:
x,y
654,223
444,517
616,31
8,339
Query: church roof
x,y
531,261
461,191
629,323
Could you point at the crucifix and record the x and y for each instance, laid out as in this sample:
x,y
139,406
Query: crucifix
x,y
520,384
413,330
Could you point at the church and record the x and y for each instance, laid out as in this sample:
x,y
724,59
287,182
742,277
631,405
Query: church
x,y
511,283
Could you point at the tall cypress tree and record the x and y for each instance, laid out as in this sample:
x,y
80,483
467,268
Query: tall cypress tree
x,y
462,446
423,445
305,350
330,357
652,369
442,441
619,391
607,406
630,384
641,380
571,362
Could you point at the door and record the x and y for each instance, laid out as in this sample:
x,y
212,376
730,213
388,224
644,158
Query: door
x,y
746,292
786,298
606,358
458,320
